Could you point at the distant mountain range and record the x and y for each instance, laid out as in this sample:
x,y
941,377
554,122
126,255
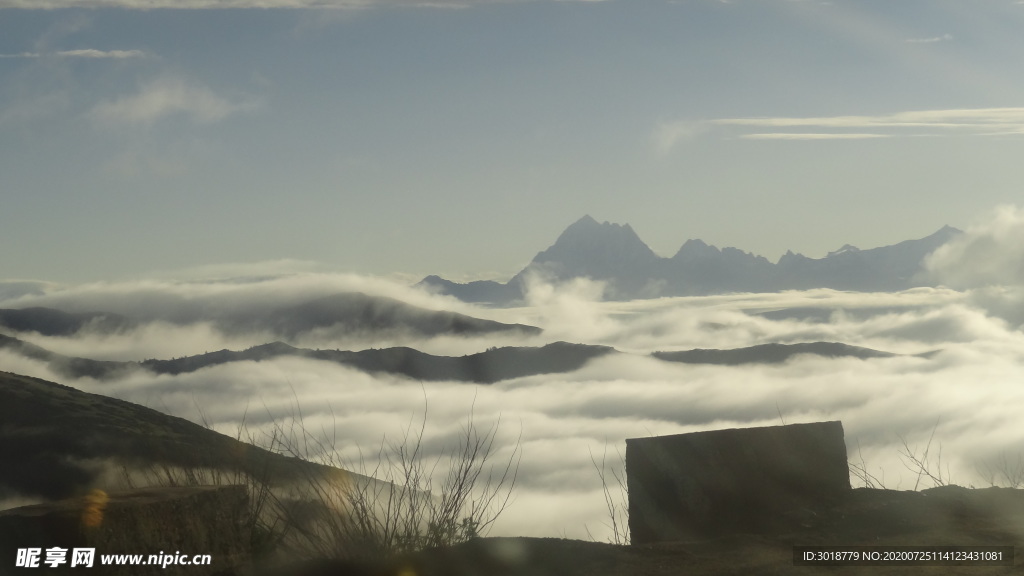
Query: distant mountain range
x,y
349,313
614,254
488,367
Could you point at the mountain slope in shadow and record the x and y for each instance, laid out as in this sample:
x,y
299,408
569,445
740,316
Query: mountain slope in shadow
x,y
494,365
53,322
487,367
348,313
54,439
358,313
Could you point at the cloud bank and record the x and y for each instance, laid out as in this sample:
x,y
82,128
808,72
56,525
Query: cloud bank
x,y
991,252
968,391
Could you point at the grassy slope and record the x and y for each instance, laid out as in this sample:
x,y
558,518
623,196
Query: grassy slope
x,y
50,433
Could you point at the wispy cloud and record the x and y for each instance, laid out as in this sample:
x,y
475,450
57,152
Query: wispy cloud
x,y
166,97
668,134
86,53
943,38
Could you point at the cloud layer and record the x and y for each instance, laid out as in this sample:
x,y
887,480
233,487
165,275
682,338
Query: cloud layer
x,y
968,392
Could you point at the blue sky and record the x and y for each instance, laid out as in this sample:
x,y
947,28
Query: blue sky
x,y
462,137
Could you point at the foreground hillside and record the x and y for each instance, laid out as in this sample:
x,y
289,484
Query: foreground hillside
x,y
57,441
53,435
944,516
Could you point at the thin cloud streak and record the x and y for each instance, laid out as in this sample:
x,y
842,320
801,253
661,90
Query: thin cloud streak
x,y
1008,121
253,4
810,136
965,118
84,53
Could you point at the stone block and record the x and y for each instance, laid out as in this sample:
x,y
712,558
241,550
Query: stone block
x,y
706,484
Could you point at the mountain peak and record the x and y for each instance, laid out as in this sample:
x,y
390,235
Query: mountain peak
x,y
587,235
596,250
696,249
847,248
587,220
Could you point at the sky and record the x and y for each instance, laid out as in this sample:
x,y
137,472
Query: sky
x,y
163,155
159,138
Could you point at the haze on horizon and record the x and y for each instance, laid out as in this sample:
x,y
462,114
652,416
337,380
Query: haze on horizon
x,y
460,137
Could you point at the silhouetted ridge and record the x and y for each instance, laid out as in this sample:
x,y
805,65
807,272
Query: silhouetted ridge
x,y
486,367
355,312
770,353
483,367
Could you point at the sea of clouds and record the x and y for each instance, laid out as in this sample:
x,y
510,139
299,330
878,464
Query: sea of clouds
x,y
966,397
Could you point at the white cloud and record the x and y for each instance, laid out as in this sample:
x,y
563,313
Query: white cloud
x,y
166,97
811,136
990,253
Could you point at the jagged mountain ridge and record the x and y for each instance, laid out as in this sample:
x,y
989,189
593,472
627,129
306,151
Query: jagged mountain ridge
x,y
615,254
